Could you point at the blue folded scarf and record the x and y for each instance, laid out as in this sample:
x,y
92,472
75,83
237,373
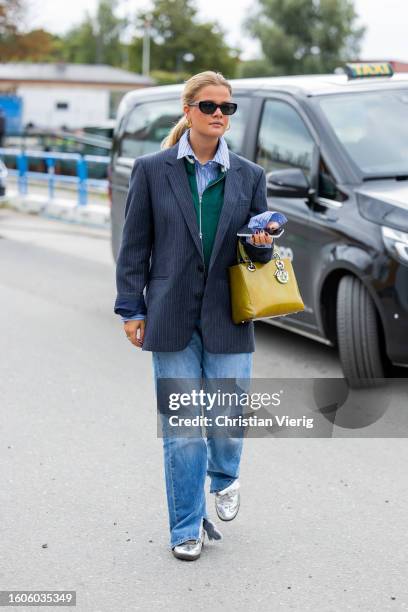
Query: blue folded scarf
x,y
260,221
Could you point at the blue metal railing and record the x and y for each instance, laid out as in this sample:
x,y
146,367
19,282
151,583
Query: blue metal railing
x,y
81,179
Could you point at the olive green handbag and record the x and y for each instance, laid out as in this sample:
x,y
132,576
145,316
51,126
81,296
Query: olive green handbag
x,y
263,290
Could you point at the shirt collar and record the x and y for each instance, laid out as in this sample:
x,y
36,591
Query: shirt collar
x,y
221,155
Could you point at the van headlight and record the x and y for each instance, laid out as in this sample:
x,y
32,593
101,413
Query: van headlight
x,y
396,243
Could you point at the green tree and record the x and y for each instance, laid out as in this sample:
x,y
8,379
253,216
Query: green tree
x,y
177,36
108,30
10,13
97,41
16,45
80,43
306,36
254,68
34,46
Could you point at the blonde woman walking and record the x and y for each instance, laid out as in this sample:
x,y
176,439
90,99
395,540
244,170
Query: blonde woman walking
x,y
184,207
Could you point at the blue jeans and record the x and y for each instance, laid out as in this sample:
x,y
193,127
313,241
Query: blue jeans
x,y
188,460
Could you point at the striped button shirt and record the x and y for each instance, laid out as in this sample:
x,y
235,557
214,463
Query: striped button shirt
x,y
204,172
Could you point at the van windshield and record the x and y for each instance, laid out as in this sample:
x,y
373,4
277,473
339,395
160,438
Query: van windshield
x,y
373,128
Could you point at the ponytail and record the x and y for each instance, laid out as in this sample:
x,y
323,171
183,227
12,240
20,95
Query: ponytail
x,y
176,133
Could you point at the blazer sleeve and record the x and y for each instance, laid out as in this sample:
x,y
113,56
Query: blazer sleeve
x,y
132,266
259,205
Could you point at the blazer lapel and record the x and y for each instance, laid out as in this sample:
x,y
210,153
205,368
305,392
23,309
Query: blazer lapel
x,y
178,179
232,190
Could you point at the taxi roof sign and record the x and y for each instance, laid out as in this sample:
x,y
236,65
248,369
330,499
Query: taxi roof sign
x,y
367,70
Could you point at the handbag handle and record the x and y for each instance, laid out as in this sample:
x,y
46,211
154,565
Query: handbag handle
x,y
242,256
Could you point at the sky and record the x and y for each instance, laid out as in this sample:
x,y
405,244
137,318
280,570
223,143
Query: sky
x,y
385,38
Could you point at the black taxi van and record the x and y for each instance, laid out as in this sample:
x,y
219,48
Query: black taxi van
x,y
335,151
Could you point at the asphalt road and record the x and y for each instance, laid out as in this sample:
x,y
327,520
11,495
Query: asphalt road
x,y
322,526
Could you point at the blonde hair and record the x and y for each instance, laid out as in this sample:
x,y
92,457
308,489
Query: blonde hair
x,y
191,88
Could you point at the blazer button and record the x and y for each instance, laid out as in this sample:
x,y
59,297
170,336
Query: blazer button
x,y
200,268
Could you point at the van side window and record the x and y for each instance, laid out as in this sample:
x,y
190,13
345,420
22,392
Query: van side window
x,y
284,140
146,126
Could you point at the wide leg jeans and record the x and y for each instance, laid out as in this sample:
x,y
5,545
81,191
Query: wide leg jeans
x,y
188,460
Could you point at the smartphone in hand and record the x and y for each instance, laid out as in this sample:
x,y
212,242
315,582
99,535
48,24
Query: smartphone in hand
x,y
270,222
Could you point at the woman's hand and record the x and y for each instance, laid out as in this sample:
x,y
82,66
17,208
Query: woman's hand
x,y
262,237
135,330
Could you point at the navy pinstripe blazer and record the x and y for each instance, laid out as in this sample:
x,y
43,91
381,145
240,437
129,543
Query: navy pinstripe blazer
x,y
160,267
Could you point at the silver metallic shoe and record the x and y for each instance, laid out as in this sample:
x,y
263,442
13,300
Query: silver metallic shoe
x,y
191,549
227,502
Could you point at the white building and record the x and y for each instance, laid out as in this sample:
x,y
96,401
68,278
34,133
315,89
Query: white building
x,y
70,95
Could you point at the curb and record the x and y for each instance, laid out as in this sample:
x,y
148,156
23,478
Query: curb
x,y
95,215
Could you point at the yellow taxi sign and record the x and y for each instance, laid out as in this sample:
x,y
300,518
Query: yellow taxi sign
x,y
363,70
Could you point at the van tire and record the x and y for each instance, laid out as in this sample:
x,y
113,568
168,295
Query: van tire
x,y
358,334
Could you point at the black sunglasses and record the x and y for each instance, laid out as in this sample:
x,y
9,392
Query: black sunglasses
x,y
208,107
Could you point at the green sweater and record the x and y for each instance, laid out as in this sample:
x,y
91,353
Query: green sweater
x,y
211,205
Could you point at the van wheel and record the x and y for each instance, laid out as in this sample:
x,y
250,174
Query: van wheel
x,y
358,334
